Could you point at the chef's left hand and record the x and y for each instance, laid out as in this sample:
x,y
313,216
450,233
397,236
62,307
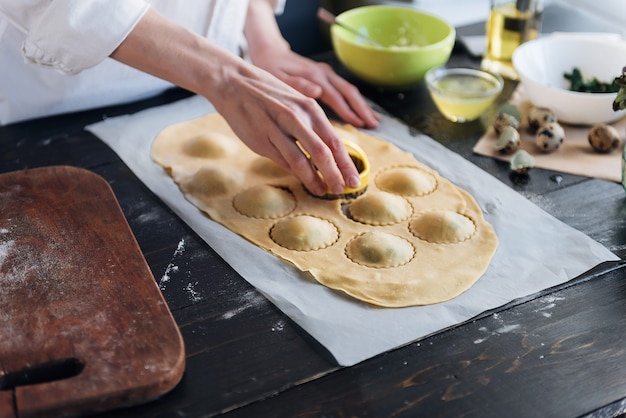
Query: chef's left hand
x,y
270,51
319,81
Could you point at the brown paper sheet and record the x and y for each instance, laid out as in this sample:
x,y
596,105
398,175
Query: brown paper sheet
x,y
574,156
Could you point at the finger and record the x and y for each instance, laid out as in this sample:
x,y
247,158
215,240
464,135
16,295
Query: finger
x,y
299,164
290,156
346,100
342,159
304,86
328,153
346,166
278,158
326,165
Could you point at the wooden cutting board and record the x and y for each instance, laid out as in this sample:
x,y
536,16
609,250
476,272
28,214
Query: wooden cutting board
x,y
83,325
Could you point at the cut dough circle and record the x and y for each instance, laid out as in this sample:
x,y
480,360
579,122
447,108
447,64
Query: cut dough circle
x,y
264,202
407,181
304,233
267,168
442,227
210,181
209,145
379,250
380,208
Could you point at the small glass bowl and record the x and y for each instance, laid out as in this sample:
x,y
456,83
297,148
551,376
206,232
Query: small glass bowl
x,y
463,94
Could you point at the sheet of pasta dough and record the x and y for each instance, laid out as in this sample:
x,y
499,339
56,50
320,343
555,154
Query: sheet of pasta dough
x,y
412,238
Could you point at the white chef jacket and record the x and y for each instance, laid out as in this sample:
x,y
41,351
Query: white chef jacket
x,y
54,53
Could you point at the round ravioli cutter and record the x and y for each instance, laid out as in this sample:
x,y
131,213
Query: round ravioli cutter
x,y
359,158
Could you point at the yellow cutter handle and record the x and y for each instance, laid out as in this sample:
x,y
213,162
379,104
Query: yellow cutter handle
x,y
362,164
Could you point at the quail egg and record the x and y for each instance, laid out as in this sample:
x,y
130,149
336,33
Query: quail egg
x,y
550,136
522,162
503,120
604,138
508,141
510,109
539,116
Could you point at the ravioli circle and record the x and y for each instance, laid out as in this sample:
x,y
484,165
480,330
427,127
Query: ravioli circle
x,y
211,181
442,227
264,202
379,250
380,208
205,145
267,168
304,233
407,181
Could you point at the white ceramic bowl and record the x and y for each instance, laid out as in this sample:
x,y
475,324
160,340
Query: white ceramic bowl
x,y
542,62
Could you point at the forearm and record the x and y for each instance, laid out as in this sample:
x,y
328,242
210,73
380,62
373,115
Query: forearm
x,y
261,30
271,117
181,57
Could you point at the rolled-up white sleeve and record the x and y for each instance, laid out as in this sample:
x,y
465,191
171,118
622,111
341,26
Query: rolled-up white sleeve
x,y
73,35
279,6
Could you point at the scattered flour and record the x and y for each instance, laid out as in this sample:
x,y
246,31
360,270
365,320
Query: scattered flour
x,y
549,303
171,267
480,340
17,271
250,299
148,217
180,248
279,326
507,328
5,247
503,329
193,294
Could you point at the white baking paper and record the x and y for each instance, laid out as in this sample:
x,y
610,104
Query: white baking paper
x,y
536,250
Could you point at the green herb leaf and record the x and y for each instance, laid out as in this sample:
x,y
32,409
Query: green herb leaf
x,y
578,83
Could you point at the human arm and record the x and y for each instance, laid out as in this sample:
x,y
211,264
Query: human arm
x,y
265,113
269,50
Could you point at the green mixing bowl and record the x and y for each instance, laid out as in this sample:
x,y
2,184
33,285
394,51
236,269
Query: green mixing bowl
x,y
413,42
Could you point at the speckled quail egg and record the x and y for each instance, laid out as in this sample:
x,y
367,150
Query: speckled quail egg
x,y
508,141
549,137
510,109
604,138
503,120
539,116
522,162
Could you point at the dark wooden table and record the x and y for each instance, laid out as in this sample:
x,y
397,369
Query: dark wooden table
x,y
245,358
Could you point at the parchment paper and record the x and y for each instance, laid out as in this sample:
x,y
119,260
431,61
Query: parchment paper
x,y
574,156
531,256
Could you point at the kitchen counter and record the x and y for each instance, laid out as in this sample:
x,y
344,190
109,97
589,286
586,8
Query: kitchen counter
x,y
558,353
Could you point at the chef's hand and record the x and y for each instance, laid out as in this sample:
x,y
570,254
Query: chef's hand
x,y
269,50
271,117
279,122
319,81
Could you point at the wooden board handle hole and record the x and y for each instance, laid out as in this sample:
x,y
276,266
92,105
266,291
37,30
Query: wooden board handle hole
x,y
42,373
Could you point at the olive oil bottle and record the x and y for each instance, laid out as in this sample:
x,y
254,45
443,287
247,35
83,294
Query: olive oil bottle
x,y
510,24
